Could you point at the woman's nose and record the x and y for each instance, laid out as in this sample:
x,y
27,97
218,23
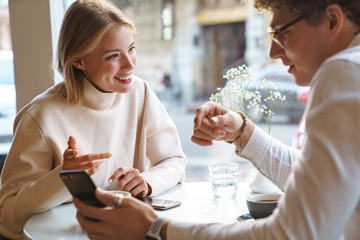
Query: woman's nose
x,y
127,62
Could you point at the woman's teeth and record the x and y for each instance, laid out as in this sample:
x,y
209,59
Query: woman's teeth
x,y
123,78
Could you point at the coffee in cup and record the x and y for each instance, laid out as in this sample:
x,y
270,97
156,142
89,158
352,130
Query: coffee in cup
x,y
262,205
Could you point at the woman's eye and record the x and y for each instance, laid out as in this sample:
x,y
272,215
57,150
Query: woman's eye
x,y
132,49
113,56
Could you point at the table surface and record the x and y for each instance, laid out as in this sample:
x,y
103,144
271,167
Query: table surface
x,y
197,205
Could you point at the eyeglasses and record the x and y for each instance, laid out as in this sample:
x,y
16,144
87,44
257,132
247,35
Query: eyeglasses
x,y
276,34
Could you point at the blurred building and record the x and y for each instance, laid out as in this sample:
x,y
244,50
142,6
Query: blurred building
x,y
186,46
5,39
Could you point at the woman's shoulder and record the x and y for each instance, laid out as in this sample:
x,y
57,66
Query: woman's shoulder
x,y
49,99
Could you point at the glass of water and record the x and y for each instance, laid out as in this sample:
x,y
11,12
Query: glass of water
x,y
224,176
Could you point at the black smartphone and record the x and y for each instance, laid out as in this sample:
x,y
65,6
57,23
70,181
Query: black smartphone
x,y
160,204
80,185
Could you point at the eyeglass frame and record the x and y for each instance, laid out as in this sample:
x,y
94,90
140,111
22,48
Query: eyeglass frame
x,y
274,34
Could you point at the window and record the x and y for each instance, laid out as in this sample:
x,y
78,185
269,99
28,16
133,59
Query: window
x,y
7,86
167,20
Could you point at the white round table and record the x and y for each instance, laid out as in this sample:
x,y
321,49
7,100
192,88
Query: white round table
x,y
197,205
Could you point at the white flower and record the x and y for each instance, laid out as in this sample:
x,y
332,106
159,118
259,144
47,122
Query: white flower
x,y
236,97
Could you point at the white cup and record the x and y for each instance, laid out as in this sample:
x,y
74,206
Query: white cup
x,y
224,177
124,193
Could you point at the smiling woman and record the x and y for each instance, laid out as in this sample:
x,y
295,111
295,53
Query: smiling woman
x,y
97,52
101,118
110,67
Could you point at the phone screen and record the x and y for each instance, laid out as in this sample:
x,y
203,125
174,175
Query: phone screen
x,y
161,204
81,186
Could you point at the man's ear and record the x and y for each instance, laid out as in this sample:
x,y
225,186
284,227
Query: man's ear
x,y
336,17
79,63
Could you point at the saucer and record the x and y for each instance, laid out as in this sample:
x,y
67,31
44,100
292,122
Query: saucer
x,y
245,218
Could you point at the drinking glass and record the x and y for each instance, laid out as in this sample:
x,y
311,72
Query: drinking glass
x,y
224,176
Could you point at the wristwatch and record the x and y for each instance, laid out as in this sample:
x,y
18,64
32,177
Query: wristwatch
x,y
155,228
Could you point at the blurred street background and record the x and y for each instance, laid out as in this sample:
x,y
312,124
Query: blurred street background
x,y
199,157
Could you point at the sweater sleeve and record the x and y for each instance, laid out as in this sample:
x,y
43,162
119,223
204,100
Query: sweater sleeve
x,y
163,148
30,182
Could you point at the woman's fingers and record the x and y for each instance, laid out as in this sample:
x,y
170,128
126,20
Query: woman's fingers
x,y
134,183
117,174
87,158
72,142
130,180
87,162
140,190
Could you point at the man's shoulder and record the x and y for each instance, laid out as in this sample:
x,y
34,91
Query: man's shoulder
x,y
351,54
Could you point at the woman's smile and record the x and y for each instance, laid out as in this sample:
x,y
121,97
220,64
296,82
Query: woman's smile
x,y
110,67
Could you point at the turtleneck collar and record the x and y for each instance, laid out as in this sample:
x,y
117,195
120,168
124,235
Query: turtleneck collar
x,y
97,100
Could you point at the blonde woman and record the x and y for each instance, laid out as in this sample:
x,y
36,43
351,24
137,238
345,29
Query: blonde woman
x,y
101,119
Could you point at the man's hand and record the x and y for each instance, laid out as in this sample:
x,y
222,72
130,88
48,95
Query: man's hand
x,y
215,122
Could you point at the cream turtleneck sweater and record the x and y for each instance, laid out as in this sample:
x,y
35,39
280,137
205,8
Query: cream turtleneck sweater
x,y
134,127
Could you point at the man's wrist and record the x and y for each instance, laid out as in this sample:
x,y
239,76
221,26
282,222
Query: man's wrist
x,y
241,142
157,230
241,129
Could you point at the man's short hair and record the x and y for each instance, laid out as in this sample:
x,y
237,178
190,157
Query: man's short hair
x,y
305,7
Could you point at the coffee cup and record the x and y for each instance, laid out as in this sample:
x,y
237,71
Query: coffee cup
x,y
124,193
262,205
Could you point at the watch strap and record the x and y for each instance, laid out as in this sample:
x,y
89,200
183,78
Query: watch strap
x,y
155,228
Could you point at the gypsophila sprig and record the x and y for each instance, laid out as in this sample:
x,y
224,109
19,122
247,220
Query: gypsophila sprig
x,y
273,96
236,97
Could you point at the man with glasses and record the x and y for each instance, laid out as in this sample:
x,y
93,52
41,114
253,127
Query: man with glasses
x,y
319,41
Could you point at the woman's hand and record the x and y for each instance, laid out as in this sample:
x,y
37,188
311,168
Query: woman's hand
x,y
73,160
131,220
215,122
130,180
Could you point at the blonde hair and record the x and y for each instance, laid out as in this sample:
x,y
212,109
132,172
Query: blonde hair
x,y
85,23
